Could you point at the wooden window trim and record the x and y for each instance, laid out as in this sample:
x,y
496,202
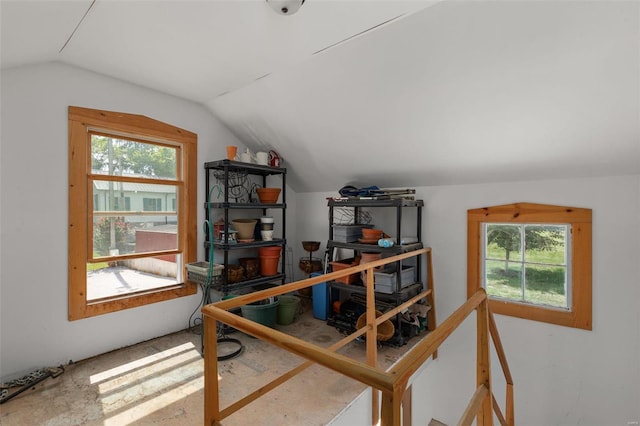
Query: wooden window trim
x,y
81,121
580,313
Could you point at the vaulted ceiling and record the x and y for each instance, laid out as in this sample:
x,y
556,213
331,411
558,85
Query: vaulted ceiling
x,y
372,92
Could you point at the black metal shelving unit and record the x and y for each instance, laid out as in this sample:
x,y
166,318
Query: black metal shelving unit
x,y
227,203
400,293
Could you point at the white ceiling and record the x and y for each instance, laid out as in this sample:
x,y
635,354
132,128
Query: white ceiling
x,y
196,49
435,93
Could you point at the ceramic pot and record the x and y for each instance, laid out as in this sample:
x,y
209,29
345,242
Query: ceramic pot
x,y
245,228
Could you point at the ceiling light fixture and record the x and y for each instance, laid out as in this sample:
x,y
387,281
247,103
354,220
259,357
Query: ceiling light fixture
x,y
285,7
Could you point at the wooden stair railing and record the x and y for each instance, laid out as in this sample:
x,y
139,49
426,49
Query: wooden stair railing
x,y
392,383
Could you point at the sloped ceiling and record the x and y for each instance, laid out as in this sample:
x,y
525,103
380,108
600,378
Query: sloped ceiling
x,y
385,93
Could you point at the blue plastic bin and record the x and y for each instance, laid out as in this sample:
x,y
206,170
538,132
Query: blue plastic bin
x,y
321,299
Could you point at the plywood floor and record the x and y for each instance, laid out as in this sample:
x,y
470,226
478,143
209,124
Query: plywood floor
x,y
160,382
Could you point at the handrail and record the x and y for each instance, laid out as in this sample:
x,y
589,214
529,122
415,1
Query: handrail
x,y
392,383
408,365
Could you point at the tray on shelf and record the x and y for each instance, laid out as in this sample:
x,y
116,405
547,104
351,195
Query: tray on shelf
x,y
349,233
217,281
202,268
386,280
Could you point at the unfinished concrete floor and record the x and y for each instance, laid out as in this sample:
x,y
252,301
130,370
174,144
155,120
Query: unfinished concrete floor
x,y
160,382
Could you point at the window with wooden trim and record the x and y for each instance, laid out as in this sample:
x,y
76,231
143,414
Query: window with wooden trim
x,y
132,217
533,260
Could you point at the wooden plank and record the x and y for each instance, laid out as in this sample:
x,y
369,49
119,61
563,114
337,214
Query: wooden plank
x,y
529,213
474,269
498,411
483,363
581,248
406,406
474,406
497,343
510,413
77,232
392,407
211,389
131,124
431,316
372,341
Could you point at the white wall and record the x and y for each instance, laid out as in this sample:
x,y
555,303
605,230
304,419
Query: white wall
x,y
562,376
35,331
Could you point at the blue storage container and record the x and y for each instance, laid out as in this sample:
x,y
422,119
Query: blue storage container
x,y
321,299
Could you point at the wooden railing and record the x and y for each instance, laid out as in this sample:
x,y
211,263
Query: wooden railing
x,y
392,383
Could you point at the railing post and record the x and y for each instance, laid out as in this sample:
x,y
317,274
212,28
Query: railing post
x,y
483,368
372,343
406,407
511,421
392,406
211,401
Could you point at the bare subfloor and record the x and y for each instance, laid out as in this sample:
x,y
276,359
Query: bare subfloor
x,y
160,382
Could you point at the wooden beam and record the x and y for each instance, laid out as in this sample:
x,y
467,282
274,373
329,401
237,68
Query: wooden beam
x,y
511,421
497,410
372,342
211,391
497,343
406,406
483,363
477,400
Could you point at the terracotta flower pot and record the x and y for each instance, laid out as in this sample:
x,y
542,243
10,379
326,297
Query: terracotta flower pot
x,y
268,195
371,234
269,260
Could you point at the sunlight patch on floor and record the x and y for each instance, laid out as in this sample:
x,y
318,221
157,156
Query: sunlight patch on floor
x,y
137,364
143,409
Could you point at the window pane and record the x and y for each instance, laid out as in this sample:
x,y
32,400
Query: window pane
x,y
109,279
121,157
503,279
546,244
546,285
503,242
117,235
133,197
